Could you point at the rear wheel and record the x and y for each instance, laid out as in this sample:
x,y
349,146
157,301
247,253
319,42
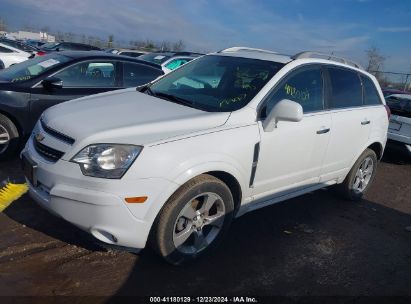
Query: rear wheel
x,y
193,221
360,176
9,137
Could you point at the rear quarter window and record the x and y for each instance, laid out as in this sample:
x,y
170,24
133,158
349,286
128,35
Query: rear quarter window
x,y
346,90
371,96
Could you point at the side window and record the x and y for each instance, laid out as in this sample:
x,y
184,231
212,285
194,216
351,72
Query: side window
x,y
176,63
89,74
371,96
304,86
135,74
5,50
346,88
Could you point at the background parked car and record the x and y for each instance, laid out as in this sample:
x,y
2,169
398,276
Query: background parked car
x,y
127,52
170,60
399,130
35,43
67,46
20,46
27,89
388,92
10,56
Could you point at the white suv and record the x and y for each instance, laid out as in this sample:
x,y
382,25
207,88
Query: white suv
x,y
175,161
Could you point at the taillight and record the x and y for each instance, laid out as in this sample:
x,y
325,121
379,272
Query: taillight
x,y
41,53
387,108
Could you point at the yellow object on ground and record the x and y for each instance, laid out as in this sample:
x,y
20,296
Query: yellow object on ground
x,y
10,193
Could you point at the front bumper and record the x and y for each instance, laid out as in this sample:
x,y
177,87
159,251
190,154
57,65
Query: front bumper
x,y
97,205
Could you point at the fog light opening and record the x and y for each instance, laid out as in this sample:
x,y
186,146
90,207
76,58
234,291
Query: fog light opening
x,y
104,236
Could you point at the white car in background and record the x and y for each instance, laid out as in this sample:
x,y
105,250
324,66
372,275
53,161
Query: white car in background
x,y
10,55
172,163
399,130
170,61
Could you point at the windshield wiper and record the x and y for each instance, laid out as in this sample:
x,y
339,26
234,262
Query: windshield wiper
x,y
175,99
149,91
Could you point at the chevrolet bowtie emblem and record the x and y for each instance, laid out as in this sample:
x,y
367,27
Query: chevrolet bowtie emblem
x,y
39,137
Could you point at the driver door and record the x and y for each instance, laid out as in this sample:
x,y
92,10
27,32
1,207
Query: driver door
x,y
291,155
80,79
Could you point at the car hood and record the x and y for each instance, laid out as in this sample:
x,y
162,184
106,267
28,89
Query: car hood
x,y
127,116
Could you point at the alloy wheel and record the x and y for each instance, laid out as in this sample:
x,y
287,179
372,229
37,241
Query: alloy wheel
x,y
363,175
199,223
4,139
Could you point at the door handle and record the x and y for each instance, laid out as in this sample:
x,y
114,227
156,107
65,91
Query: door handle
x,y
323,131
365,122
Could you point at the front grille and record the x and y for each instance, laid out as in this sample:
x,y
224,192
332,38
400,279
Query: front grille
x,y
67,139
48,153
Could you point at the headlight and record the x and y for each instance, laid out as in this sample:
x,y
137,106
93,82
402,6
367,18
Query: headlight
x,y
106,160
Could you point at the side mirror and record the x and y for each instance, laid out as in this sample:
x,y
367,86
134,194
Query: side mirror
x,y
52,83
285,110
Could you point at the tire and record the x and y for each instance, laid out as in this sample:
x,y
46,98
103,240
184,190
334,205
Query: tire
x,y
181,234
350,187
9,137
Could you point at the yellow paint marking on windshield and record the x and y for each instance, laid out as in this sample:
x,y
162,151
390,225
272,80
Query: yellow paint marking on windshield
x,y
21,78
228,101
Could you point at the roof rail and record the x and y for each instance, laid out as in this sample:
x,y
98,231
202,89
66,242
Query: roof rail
x,y
244,48
309,54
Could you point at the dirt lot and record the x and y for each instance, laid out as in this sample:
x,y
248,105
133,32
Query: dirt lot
x,y
317,244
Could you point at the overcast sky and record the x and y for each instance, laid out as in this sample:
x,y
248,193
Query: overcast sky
x,y
345,27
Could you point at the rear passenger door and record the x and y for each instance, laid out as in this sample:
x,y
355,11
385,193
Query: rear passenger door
x,y
351,121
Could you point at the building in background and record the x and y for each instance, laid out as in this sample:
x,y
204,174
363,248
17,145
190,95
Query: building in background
x,y
42,36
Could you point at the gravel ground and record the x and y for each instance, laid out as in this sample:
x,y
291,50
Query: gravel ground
x,y
316,244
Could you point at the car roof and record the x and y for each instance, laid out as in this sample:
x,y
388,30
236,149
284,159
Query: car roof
x,y
306,56
105,55
173,54
254,53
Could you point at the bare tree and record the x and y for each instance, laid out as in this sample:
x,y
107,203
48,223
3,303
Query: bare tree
x,y
178,46
375,62
165,46
3,25
110,41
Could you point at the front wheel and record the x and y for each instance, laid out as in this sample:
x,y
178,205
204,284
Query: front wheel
x,y
360,176
193,221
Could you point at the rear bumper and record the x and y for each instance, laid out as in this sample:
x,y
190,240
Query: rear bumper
x,y
398,137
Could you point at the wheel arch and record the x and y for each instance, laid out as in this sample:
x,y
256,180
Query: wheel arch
x,y
377,148
14,120
232,183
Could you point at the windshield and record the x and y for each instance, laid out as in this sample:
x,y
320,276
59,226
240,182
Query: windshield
x,y
400,106
31,68
216,83
49,45
155,58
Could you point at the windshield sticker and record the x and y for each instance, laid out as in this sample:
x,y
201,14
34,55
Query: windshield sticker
x,y
302,95
21,78
159,57
48,63
228,101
